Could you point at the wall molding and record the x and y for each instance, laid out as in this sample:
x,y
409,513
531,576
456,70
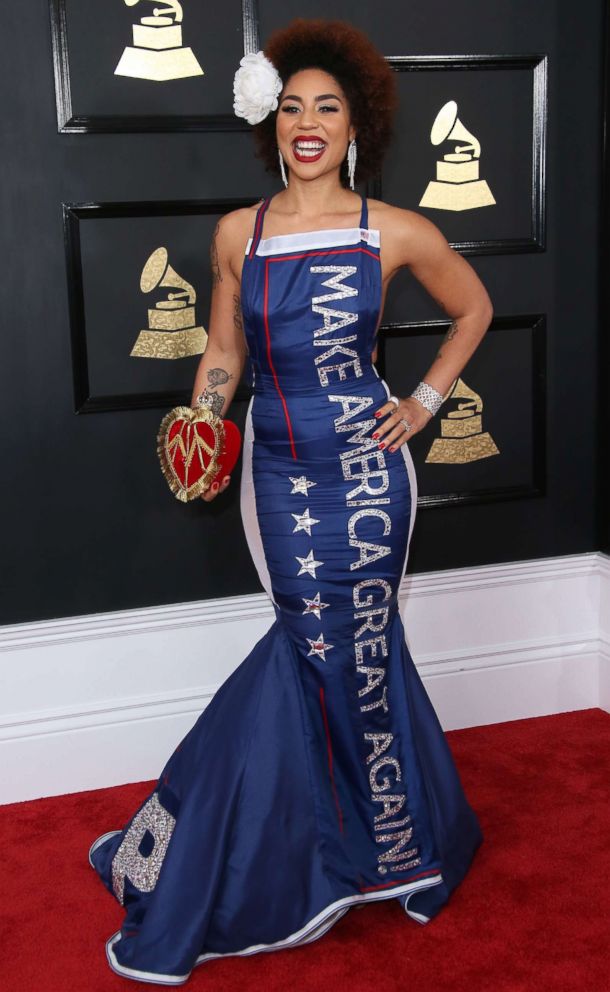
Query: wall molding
x,y
92,701
47,633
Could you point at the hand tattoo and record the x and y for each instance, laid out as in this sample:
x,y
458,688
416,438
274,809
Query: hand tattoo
x,y
216,273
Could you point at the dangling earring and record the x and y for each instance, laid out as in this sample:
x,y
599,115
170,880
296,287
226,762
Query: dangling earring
x,y
282,169
351,161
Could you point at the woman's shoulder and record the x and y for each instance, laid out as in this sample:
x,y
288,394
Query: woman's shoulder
x,y
384,215
405,232
236,226
233,230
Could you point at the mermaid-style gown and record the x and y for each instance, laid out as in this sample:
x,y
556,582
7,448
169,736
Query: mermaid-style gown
x,y
318,777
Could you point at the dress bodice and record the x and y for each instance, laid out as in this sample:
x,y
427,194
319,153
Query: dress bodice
x,y
311,303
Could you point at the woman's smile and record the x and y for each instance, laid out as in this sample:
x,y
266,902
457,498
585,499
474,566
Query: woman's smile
x,y
308,149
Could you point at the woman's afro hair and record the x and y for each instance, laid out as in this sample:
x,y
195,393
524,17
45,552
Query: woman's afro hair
x,y
367,80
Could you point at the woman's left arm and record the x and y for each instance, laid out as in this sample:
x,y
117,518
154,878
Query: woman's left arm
x,y
453,283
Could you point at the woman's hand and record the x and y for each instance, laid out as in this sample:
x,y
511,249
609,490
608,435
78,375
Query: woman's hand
x,y
390,433
215,489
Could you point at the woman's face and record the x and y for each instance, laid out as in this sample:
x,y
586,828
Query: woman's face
x,y
313,123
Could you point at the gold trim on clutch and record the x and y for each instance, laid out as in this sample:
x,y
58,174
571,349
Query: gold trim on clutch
x,y
192,446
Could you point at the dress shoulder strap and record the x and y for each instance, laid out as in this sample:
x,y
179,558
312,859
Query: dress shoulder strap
x,y
258,226
364,216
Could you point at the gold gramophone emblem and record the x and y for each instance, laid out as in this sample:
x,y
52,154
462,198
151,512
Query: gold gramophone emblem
x,y
157,51
457,185
171,329
462,436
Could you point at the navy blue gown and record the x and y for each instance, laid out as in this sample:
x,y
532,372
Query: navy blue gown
x,y
318,777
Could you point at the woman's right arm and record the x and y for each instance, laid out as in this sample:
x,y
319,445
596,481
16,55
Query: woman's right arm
x,y
222,362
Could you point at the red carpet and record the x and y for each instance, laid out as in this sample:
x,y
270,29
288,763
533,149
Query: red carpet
x,y
533,913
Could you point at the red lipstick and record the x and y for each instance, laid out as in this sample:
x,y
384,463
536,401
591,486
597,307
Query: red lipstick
x,y
307,148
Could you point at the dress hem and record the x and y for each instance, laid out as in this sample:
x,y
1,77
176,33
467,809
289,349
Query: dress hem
x,y
312,930
98,843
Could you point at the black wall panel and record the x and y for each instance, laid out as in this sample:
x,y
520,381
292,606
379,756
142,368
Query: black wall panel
x,y
88,524
603,465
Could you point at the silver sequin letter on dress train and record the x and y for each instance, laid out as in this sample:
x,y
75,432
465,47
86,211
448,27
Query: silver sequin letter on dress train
x,y
129,863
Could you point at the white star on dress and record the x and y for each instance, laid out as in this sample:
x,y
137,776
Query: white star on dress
x,y
314,605
308,564
304,521
300,485
318,647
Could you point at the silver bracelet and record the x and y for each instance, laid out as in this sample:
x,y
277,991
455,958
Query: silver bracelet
x,y
428,396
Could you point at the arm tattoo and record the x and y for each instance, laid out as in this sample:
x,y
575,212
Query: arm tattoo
x,y
210,397
237,317
449,336
218,377
214,400
216,273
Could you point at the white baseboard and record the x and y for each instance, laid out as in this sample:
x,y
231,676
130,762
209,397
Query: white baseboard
x,y
103,700
604,635
604,676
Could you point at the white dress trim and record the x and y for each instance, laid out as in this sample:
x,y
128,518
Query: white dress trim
x,y
100,840
248,508
309,240
313,930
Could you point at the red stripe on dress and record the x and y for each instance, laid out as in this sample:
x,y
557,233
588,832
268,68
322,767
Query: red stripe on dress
x,y
330,759
271,366
388,885
337,251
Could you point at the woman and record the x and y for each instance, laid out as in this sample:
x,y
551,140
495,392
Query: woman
x,y
318,777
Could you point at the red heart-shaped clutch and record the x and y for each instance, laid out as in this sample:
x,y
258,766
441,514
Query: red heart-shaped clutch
x,y
195,447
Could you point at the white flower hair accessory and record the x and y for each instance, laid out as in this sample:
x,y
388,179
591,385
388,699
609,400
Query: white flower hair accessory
x,y
256,88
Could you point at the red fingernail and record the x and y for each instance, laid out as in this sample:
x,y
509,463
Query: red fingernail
x,y
392,448
378,413
375,435
382,445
